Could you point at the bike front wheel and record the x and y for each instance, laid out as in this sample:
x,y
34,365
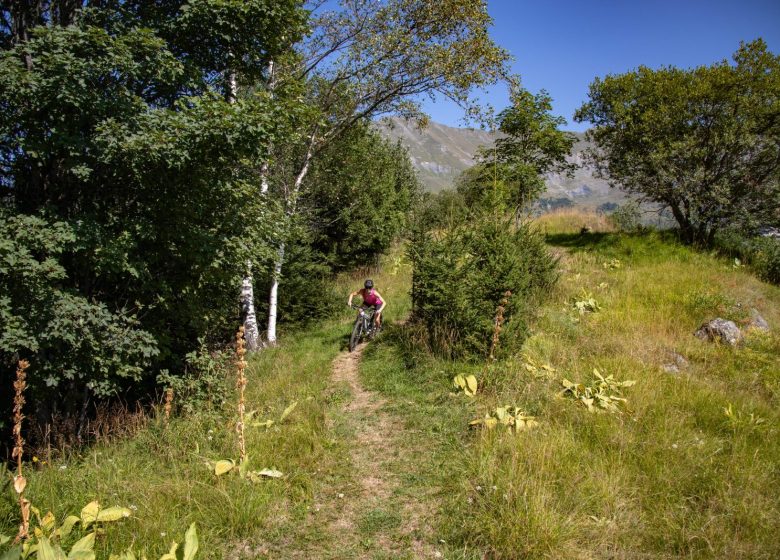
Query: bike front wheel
x,y
357,332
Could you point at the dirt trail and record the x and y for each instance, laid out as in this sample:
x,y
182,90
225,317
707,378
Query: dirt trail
x,y
378,519
367,506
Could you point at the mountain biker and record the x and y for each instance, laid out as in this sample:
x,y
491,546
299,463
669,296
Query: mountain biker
x,y
371,298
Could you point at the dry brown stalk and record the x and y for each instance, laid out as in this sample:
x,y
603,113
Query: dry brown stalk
x,y
241,385
168,402
18,453
498,323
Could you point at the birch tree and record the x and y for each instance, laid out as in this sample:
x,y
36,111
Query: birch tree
x,y
365,59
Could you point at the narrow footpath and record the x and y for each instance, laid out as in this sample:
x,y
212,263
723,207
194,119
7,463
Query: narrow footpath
x,y
372,513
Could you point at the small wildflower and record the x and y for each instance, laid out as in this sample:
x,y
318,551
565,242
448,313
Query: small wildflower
x,y
133,507
34,459
63,467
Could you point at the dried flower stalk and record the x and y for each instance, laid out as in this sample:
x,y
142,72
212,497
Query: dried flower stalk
x,y
168,403
498,323
18,453
241,385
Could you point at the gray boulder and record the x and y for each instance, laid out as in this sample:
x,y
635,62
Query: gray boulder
x,y
757,321
720,330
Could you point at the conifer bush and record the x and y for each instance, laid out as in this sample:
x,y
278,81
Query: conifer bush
x,y
460,276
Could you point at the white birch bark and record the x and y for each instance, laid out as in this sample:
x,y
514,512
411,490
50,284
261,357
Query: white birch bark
x,y
247,297
264,168
273,297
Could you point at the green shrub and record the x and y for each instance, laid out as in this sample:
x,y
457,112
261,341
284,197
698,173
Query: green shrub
x,y
461,274
766,259
205,383
762,254
627,217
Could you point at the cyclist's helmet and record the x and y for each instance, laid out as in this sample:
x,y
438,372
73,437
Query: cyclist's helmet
x,y
369,284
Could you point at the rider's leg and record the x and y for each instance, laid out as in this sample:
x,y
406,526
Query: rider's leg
x,y
378,320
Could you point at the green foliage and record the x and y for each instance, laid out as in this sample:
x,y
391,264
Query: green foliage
x,y
358,197
73,340
48,539
512,417
765,258
137,181
206,382
626,217
702,142
762,254
530,146
602,395
461,274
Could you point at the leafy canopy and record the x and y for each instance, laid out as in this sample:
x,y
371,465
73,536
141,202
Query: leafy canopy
x,y
703,142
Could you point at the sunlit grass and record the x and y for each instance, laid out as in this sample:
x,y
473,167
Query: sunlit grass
x,y
673,476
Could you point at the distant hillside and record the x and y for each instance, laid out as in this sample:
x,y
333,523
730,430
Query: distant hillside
x,y
440,153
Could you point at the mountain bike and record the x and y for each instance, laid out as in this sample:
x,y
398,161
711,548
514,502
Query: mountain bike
x,y
364,326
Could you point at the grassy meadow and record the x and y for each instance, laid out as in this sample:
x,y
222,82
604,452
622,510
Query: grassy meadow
x,y
672,476
689,469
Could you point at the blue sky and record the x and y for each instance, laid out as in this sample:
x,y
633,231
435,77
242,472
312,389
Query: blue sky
x,y
561,46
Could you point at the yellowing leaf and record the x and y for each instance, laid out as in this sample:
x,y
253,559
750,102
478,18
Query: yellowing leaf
x,y
113,514
270,473
66,527
223,467
171,554
84,544
89,513
48,521
471,385
47,551
288,410
82,555
190,543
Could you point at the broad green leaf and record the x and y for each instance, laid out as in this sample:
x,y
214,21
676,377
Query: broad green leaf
x,y
82,555
458,381
84,544
13,553
47,551
113,514
89,513
288,410
4,539
501,413
66,527
223,467
190,543
490,423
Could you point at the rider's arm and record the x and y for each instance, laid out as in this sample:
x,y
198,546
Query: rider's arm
x,y
384,301
353,294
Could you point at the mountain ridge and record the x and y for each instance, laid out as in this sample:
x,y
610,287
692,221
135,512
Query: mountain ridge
x,y
440,153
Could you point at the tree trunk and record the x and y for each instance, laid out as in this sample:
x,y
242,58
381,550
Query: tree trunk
x,y
686,229
264,168
273,298
247,297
